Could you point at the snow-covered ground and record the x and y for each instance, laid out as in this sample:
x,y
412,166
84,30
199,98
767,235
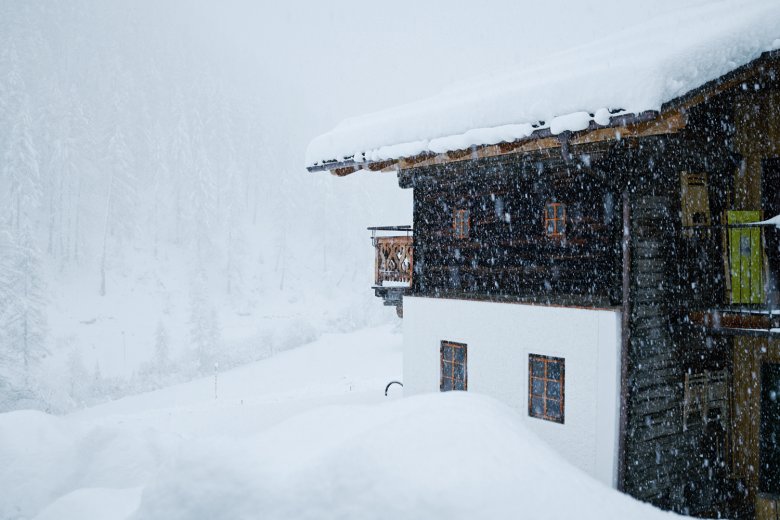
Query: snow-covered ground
x,y
307,433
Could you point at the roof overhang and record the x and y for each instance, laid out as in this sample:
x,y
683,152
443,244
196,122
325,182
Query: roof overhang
x,y
669,120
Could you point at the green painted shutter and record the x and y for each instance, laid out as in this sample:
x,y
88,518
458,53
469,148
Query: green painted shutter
x,y
746,258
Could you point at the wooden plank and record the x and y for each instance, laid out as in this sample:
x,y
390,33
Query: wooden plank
x,y
670,123
381,166
343,172
625,343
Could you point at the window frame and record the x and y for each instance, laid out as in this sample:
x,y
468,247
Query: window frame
x,y
452,361
547,360
461,223
558,220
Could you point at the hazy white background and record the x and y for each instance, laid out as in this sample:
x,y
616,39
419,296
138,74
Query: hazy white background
x,y
155,215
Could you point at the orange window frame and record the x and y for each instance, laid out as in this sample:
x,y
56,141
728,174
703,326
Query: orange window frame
x,y
461,223
555,219
546,387
454,366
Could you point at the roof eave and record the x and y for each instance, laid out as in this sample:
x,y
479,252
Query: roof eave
x,y
680,103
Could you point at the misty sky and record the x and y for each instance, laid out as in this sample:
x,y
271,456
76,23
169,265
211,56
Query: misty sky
x,y
325,61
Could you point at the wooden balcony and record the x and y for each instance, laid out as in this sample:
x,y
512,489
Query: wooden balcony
x,y
394,263
733,274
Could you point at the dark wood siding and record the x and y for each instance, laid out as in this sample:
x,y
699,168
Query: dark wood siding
x,y
507,253
672,273
654,459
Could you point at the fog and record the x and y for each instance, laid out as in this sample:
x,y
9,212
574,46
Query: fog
x,y
155,214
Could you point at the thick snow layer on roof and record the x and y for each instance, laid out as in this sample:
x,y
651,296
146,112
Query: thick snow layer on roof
x,y
634,69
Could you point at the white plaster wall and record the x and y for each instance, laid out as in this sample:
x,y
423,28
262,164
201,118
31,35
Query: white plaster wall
x,y
500,336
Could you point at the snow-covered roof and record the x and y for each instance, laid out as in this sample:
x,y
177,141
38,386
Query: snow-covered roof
x,y
630,71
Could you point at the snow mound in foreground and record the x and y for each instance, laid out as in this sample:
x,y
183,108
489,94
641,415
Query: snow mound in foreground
x,y
453,455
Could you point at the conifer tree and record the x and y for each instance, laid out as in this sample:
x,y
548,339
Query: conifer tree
x,y
204,332
120,196
21,173
22,312
162,359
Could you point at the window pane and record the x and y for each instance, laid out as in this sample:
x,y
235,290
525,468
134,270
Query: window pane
x,y
537,406
453,366
554,408
537,386
446,368
553,390
459,372
550,211
550,227
553,369
546,387
559,211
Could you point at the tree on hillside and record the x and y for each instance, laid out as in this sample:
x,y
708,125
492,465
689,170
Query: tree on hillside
x,y
162,354
180,155
23,327
11,82
120,196
160,199
204,334
202,192
21,174
64,172
78,378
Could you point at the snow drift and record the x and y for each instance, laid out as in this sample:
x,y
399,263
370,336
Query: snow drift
x,y
306,434
452,455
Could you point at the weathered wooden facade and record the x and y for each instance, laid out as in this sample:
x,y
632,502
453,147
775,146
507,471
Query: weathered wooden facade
x,y
655,216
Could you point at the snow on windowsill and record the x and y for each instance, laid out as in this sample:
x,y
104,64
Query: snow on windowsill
x,y
394,284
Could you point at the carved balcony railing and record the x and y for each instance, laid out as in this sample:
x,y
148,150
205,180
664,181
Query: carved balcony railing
x,y
394,263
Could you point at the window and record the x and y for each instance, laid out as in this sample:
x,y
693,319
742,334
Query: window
x,y
461,223
453,367
545,387
555,219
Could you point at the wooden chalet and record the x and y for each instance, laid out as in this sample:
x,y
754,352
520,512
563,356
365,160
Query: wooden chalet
x,y
618,284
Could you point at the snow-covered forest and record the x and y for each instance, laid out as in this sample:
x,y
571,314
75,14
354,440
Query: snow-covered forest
x,y
155,219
